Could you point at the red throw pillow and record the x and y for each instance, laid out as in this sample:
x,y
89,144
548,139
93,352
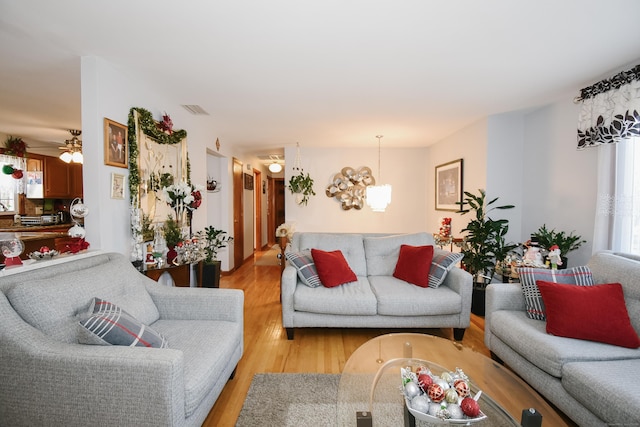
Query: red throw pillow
x,y
414,264
332,268
594,313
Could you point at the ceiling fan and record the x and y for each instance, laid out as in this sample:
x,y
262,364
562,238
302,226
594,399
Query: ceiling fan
x,y
73,148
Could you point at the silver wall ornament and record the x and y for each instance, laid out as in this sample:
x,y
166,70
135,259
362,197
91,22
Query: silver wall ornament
x,y
349,187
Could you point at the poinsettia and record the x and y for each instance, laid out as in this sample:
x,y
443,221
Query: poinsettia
x,y
182,196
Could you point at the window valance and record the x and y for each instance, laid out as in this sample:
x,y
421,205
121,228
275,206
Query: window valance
x,y
610,110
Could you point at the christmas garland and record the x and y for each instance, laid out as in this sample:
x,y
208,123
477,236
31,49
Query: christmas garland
x,y
150,128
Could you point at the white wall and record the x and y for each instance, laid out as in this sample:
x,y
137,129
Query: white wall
x,y
403,168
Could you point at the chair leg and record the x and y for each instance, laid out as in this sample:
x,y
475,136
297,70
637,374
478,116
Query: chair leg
x,y
458,333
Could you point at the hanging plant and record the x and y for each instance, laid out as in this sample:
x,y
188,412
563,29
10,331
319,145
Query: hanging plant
x,y
15,146
302,184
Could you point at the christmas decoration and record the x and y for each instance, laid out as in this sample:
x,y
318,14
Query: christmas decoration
x,y
7,169
166,125
470,407
15,146
435,392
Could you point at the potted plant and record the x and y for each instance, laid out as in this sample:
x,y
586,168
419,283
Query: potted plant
x,y
211,241
173,236
484,244
302,184
566,242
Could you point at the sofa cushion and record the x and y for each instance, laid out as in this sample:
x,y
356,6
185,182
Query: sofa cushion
x,y
441,264
207,346
580,276
53,306
414,263
529,338
595,313
303,262
333,269
350,244
108,324
396,297
609,389
382,252
355,298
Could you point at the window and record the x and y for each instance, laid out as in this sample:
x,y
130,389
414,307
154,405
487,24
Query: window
x,y
9,186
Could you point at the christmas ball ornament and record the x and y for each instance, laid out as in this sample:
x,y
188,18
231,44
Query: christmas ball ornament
x,y
17,174
442,383
455,411
7,169
447,377
461,387
451,395
420,404
423,370
425,380
470,407
435,392
411,389
433,409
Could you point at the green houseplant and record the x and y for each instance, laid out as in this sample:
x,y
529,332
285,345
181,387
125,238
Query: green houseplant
x,y
484,244
566,242
173,236
211,241
302,184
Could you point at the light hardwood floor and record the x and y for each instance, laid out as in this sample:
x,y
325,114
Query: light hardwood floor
x,y
267,350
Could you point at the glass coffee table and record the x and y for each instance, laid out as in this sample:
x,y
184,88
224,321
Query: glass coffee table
x,y
371,382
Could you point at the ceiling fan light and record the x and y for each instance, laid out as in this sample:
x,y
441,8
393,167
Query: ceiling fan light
x,y
66,157
275,167
77,157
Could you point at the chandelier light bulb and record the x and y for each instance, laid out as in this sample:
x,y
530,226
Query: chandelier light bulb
x,y
66,157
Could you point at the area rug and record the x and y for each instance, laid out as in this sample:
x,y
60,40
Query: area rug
x,y
269,257
302,400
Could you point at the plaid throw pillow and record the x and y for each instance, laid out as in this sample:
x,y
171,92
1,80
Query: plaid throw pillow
x,y
441,264
580,276
112,325
303,262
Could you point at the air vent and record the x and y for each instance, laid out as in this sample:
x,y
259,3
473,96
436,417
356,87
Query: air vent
x,y
272,157
195,110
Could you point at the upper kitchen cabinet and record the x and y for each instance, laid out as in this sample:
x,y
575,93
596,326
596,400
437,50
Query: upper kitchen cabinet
x,y
75,177
61,180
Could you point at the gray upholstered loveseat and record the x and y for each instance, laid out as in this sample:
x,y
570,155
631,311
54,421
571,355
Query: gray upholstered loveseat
x,y
376,299
595,384
48,378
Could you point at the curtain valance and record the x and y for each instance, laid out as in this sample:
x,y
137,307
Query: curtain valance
x,y
610,110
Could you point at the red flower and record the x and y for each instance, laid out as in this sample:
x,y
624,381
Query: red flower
x,y
197,200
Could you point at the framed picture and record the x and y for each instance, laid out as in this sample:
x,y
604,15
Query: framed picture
x,y
117,186
248,181
449,186
116,148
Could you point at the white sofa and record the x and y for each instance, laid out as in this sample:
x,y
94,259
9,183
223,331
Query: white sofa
x,y
376,299
47,378
595,384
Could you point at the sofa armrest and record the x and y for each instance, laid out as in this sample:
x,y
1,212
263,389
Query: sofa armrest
x,y
45,382
198,303
501,296
461,282
288,284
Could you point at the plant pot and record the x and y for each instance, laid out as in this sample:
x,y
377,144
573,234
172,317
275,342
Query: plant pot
x,y
210,273
478,301
171,255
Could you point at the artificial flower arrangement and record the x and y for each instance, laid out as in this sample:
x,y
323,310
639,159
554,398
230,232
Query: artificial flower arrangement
x,y
182,197
285,230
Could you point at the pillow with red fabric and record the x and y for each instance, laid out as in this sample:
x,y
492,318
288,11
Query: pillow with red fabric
x,y
594,313
332,268
414,264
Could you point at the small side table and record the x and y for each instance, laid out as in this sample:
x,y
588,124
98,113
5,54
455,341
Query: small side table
x,y
181,274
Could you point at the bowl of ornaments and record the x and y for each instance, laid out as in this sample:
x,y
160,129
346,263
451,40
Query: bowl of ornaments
x,y
440,399
43,253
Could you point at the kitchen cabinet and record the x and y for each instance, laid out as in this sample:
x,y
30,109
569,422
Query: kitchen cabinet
x,y
75,177
57,182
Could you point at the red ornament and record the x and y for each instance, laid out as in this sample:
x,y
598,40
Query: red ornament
x,y
44,250
17,174
425,381
461,387
435,392
470,407
197,200
166,125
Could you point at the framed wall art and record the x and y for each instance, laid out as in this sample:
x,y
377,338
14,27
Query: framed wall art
x,y
449,186
117,186
116,148
248,181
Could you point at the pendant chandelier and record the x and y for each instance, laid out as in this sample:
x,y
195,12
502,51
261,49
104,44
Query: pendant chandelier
x,y
379,196
73,148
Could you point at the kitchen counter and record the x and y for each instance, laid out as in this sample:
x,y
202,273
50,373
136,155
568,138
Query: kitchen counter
x,y
33,238
63,228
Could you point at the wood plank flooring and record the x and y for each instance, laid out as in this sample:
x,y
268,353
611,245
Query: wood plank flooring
x,y
267,350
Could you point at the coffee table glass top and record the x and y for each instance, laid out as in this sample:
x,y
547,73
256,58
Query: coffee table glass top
x,y
394,351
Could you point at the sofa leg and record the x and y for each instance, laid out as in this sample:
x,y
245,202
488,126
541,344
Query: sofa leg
x,y
289,333
458,333
496,358
233,374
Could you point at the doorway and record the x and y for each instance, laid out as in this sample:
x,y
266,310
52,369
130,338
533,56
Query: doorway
x,y
238,214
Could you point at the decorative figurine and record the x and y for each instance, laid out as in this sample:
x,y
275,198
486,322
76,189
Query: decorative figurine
x,y
555,257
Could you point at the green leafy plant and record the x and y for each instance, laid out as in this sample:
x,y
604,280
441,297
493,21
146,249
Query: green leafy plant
x,y
172,232
484,243
302,184
147,228
566,242
212,240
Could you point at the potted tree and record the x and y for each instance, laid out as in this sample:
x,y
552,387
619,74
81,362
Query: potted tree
x,y
211,241
484,244
566,242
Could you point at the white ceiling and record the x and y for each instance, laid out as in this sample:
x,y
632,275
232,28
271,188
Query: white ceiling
x,y
331,72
